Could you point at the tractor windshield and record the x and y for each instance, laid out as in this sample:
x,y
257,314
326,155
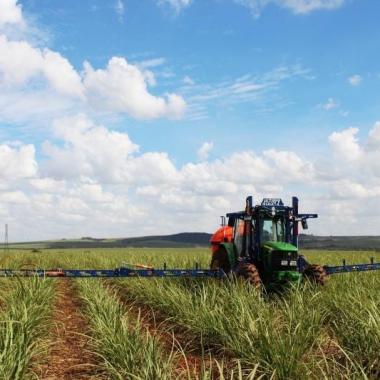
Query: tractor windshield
x,y
272,230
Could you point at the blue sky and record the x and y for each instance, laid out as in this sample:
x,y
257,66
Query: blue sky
x,y
213,42
206,30
222,98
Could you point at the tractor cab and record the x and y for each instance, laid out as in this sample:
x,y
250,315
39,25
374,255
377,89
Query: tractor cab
x,y
272,229
264,238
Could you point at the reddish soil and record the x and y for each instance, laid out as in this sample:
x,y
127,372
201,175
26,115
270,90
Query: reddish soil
x,y
70,356
171,334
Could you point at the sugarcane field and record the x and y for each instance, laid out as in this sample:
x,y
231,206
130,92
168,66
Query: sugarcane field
x,y
189,189
190,328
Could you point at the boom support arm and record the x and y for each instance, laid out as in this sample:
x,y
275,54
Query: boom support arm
x,y
299,218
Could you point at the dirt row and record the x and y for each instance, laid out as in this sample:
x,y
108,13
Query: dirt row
x,y
71,355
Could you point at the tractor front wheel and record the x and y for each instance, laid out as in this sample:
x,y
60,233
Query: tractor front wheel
x,y
220,260
250,274
316,274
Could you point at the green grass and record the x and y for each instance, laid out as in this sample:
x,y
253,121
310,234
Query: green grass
x,y
307,332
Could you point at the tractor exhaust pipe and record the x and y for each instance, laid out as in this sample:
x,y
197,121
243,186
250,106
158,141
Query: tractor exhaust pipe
x,y
249,205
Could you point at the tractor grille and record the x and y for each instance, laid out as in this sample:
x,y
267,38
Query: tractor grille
x,y
284,260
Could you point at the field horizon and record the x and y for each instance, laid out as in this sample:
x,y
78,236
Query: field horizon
x,y
196,239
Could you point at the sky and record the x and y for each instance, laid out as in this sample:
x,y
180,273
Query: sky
x,y
137,117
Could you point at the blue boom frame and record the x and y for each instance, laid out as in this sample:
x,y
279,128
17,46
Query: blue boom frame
x,y
352,268
123,272
117,272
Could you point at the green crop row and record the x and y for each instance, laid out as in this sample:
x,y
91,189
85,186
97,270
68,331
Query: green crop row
x,y
128,350
23,320
306,332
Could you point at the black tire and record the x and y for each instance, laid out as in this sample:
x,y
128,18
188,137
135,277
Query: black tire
x,y
316,274
250,274
220,260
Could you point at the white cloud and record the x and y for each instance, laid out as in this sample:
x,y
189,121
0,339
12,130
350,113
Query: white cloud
x,y
120,8
61,74
152,168
123,87
17,162
296,6
29,106
354,187
359,161
330,104
153,62
345,144
20,62
204,150
94,181
374,137
13,197
177,5
355,80
188,81
110,157
27,71
247,167
307,6
258,90
89,151
349,189
48,185
290,165
102,155
10,12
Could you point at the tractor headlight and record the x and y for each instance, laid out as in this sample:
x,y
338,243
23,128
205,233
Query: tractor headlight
x,y
285,263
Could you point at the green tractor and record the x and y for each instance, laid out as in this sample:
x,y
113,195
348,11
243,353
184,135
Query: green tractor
x,y
260,244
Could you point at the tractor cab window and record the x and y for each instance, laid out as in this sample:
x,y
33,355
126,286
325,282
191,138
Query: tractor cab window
x,y
242,235
239,235
272,230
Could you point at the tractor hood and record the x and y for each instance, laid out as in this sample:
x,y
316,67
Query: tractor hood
x,y
279,246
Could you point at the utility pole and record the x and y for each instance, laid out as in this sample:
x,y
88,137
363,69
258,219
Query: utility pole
x,y
6,242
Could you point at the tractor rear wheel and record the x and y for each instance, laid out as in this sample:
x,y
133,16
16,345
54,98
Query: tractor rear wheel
x,y
250,274
316,274
220,260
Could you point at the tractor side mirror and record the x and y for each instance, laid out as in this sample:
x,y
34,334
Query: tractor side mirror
x,y
304,224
